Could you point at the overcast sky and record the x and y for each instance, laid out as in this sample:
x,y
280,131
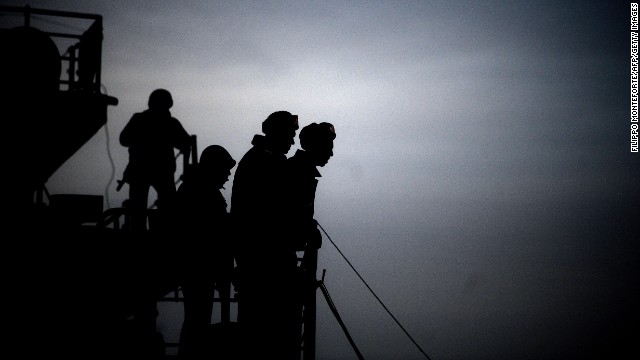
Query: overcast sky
x,y
482,182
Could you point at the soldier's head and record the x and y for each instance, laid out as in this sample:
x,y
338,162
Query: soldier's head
x,y
216,163
280,130
160,99
317,140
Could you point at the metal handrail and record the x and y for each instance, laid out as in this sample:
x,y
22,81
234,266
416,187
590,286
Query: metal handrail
x,y
92,33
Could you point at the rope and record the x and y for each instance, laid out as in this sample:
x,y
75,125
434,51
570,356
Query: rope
x,y
374,294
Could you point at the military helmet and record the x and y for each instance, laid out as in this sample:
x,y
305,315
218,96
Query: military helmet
x,y
160,99
216,155
314,133
279,121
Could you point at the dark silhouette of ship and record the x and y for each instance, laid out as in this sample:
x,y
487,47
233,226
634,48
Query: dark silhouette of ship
x,y
77,272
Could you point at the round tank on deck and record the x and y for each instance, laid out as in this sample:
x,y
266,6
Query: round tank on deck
x,y
31,62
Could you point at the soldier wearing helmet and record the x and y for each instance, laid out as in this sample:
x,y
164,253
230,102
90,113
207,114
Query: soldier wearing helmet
x,y
316,141
152,136
205,251
266,264
301,179
259,172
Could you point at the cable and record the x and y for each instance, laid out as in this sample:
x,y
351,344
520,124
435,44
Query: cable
x,y
113,165
374,294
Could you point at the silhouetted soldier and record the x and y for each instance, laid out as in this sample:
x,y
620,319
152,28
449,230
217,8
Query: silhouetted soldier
x,y
151,137
316,141
206,251
266,262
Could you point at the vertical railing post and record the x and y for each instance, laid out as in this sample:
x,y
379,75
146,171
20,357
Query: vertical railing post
x,y
310,262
